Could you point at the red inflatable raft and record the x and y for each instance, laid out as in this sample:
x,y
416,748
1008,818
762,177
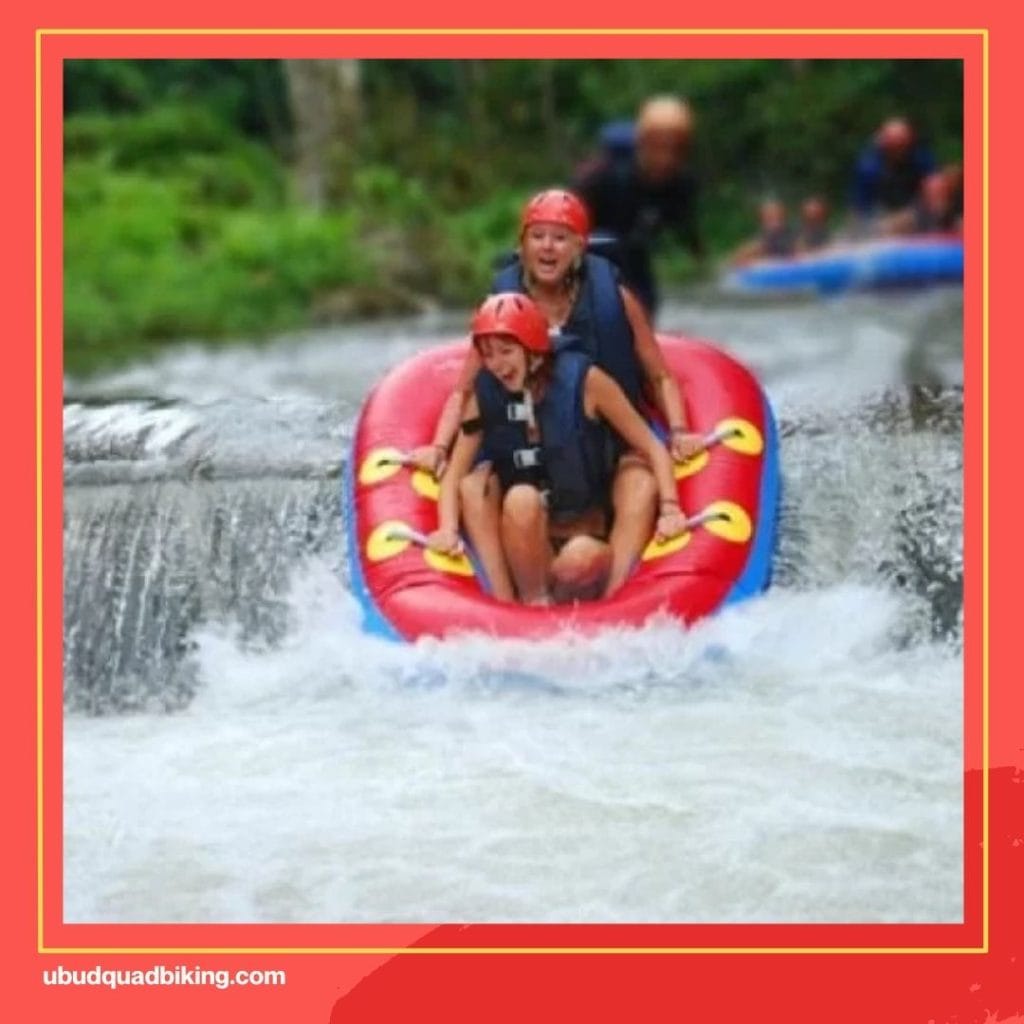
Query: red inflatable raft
x,y
730,491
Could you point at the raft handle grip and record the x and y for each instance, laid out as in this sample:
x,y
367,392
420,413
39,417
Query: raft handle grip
x,y
704,517
722,434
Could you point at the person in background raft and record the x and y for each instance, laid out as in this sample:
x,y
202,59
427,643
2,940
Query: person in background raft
x,y
542,416
813,232
934,210
641,187
955,177
589,311
889,171
775,240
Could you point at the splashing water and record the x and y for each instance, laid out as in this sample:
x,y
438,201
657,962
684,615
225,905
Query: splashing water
x,y
236,749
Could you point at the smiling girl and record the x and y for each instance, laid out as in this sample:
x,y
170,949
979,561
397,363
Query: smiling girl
x,y
543,419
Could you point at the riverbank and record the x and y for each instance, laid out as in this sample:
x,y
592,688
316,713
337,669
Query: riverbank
x,y
177,227
182,218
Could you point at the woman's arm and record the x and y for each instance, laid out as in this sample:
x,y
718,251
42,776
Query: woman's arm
x,y
682,443
603,397
446,537
432,457
663,384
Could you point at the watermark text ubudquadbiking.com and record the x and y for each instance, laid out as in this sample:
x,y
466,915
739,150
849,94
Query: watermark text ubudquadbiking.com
x,y
111,978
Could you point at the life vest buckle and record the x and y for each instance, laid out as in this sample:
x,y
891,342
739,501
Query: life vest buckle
x,y
527,458
518,412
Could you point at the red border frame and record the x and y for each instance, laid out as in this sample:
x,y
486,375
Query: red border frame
x,y
57,48
406,980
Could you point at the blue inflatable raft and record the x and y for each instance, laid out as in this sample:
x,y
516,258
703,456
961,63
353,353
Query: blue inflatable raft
x,y
882,263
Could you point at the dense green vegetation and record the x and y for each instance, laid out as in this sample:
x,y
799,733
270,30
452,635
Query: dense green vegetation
x,y
182,218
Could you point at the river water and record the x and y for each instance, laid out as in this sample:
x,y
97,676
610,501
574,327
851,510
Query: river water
x,y
236,749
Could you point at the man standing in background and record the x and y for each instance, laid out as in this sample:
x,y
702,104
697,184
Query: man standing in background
x,y
890,170
642,186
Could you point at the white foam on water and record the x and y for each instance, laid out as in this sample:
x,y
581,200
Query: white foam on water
x,y
104,430
783,761
338,362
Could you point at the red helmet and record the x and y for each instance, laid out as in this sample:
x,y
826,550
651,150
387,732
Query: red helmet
x,y
515,315
556,206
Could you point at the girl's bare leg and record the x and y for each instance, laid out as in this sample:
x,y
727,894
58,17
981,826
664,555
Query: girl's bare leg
x,y
524,538
580,570
480,505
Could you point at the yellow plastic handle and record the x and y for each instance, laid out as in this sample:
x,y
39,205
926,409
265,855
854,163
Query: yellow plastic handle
x,y
660,548
692,465
735,524
380,464
744,437
387,540
425,485
457,565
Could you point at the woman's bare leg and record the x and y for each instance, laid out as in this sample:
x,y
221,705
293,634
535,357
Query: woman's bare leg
x,y
635,508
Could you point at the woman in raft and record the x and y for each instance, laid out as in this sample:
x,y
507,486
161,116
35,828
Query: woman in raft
x,y
543,417
775,238
587,310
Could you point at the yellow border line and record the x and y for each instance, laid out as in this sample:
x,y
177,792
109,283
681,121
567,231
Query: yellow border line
x,y
39,486
521,950
986,847
524,950
653,31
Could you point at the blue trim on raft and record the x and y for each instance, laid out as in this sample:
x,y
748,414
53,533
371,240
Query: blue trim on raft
x,y
373,619
757,573
870,266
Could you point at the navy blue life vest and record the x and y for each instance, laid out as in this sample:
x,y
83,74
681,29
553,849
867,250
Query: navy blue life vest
x,y
880,186
777,242
618,139
814,237
597,324
569,461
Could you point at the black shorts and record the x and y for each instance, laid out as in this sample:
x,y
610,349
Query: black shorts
x,y
589,528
